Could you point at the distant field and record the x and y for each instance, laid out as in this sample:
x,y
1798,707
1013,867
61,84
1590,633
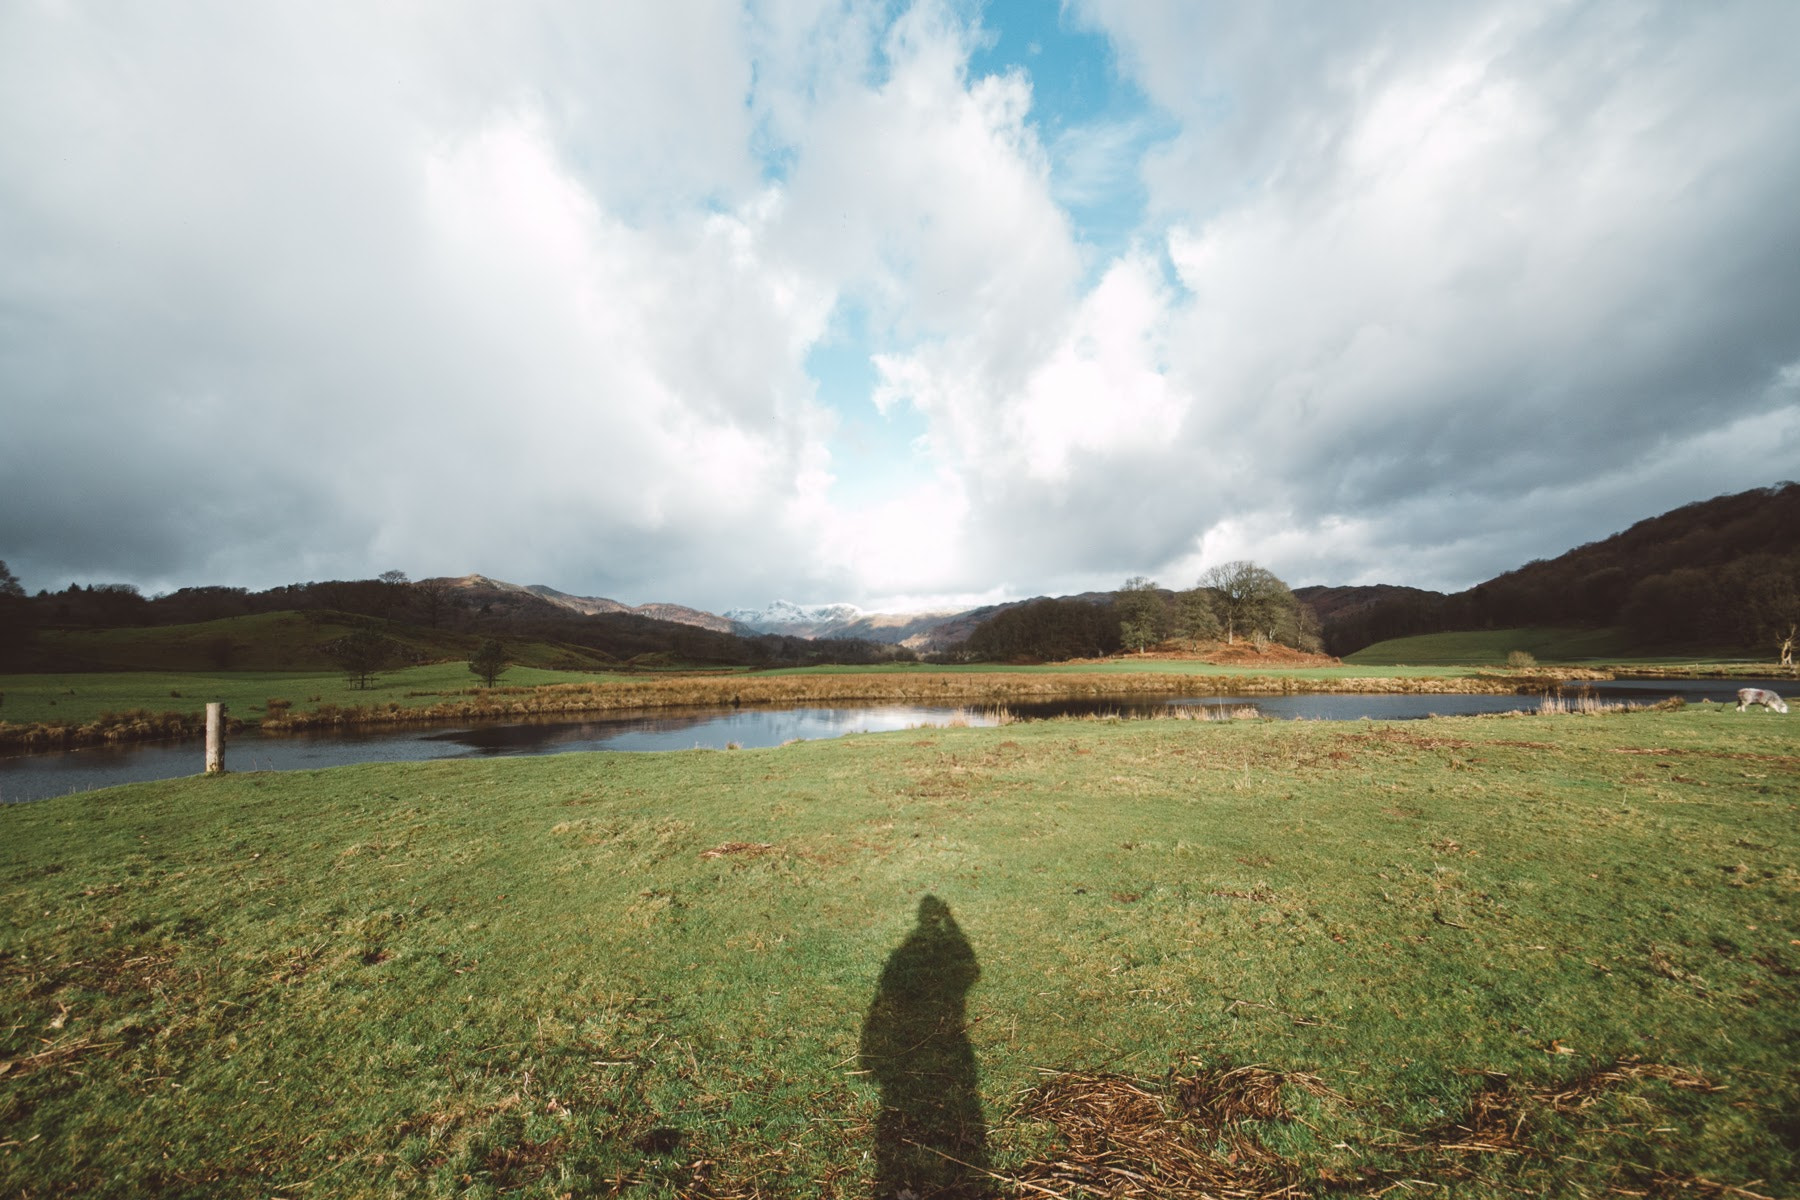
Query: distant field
x,y
1489,647
1532,955
82,696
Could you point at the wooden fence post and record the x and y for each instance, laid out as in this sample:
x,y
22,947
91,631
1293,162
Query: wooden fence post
x,y
215,739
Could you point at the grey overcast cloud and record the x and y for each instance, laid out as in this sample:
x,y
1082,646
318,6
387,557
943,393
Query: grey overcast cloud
x,y
897,304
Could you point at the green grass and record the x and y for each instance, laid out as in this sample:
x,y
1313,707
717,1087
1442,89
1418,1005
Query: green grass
x,y
1489,647
79,697
526,976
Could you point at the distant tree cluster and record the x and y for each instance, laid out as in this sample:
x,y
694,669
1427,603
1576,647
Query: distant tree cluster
x,y
1754,602
1237,600
1047,630
1250,601
15,616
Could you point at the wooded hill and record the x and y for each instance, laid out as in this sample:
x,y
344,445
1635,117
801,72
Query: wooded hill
x,y
1722,572
430,620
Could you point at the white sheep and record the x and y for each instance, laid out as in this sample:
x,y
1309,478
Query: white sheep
x,y
1762,696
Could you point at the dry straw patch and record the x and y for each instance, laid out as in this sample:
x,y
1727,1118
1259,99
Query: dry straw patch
x,y
1190,1139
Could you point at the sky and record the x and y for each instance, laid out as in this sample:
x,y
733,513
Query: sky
x,y
906,305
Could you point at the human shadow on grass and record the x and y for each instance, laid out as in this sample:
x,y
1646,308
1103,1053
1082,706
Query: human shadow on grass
x,y
930,1139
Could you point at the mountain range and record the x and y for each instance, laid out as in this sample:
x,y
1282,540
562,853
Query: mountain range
x,y
1590,584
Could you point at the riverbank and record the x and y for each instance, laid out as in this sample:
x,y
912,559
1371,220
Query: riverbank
x,y
988,688
1540,954
399,703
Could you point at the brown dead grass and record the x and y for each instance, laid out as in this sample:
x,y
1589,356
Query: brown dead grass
x,y
1504,1119
744,849
1191,1139
1244,653
1194,1137
109,728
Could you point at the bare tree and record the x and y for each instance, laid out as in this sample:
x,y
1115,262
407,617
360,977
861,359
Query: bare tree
x,y
360,653
433,596
490,662
1244,596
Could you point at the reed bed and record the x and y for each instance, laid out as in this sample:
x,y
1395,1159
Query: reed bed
x,y
111,728
1588,704
1708,670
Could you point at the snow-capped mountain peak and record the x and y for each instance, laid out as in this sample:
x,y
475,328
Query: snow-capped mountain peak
x,y
784,616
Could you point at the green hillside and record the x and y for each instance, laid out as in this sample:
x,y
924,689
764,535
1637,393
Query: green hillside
x,y
280,641
1490,647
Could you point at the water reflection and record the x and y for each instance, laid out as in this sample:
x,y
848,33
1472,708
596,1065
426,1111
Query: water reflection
x,y
700,728
930,1138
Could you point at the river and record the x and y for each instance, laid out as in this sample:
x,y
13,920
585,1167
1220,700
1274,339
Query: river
x,y
39,776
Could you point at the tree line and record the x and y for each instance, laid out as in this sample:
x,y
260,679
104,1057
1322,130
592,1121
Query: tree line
x,y
1230,602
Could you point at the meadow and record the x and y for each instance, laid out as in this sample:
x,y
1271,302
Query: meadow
x,y
1609,646
1471,957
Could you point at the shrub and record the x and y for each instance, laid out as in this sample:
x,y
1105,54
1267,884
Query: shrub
x,y
1521,658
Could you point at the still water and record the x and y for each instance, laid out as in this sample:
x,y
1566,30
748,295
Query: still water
x,y
38,776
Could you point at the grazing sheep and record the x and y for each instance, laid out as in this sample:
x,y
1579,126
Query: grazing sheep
x,y
1762,696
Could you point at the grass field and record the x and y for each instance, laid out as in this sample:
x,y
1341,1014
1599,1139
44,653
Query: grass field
x,y
79,697
1543,955
1490,647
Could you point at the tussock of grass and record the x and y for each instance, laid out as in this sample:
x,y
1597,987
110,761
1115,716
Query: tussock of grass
x,y
109,728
